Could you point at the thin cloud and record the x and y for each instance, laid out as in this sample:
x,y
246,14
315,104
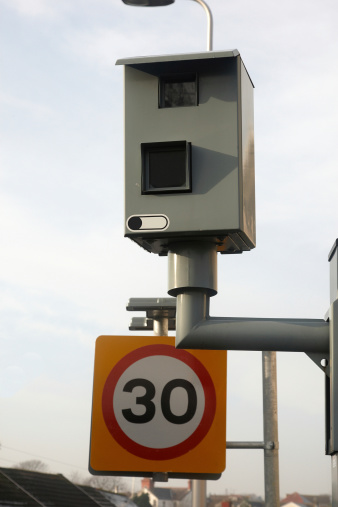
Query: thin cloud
x,y
103,46
37,8
34,108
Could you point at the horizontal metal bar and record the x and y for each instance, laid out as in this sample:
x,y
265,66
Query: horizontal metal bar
x,y
252,445
141,324
245,445
287,335
146,304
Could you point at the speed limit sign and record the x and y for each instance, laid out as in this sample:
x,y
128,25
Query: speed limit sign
x,y
157,409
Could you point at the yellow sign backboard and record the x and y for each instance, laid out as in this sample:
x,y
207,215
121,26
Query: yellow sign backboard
x,y
157,409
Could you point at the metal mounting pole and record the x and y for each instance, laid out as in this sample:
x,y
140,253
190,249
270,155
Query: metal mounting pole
x,y
199,487
192,270
193,279
161,318
199,493
271,465
161,324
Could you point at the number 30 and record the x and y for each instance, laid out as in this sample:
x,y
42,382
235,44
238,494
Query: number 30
x,y
146,401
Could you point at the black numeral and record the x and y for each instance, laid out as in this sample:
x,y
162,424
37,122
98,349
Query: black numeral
x,y
141,400
146,401
192,401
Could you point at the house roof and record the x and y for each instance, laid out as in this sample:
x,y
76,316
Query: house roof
x,y
297,499
10,494
180,493
97,495
118,500
169,493
214,500
217,500
162,493
310,500
35,489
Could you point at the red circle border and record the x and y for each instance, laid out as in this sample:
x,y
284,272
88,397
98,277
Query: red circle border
x,y
168,452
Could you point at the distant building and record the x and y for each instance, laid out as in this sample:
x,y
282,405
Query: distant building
x,y
298,500
167,497
235,501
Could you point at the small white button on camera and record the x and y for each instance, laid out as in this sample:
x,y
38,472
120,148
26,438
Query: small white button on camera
x,y
147,223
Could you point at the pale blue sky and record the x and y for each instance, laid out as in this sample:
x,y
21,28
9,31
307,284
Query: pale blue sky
x,y
67,272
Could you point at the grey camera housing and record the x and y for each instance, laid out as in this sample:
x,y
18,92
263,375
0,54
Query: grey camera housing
x,y
189,151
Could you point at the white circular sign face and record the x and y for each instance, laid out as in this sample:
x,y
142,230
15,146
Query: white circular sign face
x,y
158,402
183,401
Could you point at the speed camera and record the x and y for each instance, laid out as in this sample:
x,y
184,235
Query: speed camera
x,y
189,151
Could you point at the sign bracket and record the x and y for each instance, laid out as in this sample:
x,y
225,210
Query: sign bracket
x,y
163,307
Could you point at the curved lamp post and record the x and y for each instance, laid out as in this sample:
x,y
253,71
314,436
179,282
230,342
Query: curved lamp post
x,y
161,3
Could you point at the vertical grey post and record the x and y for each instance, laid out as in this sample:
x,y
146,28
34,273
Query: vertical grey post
x,y
161,326
199,493
334,474
192,275
332,445
271,465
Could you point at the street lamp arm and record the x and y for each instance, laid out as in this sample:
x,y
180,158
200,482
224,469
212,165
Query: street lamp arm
x,y
210,23
162,3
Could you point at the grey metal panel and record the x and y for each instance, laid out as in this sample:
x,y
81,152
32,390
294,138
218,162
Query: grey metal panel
x,y
332,383
333,259
247,154
177,57
214,128
150,304
161,314
333,421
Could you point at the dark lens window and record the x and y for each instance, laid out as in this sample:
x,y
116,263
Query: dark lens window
x,y
178,91
167,169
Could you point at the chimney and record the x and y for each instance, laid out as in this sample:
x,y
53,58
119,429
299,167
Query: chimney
x,y
147,483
